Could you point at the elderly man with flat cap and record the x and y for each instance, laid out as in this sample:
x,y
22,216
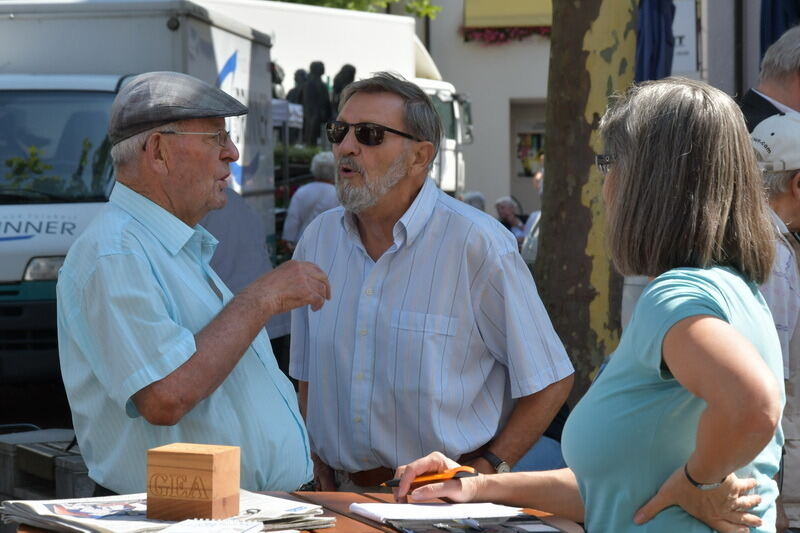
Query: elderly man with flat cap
x,y
154,347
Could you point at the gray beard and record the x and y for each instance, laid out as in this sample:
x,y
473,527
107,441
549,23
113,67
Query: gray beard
x,y
357,198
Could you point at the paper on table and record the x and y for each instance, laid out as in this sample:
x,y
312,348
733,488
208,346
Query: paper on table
x,y
382,512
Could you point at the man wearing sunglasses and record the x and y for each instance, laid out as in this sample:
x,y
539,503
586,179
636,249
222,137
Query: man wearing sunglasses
x,y
154,347
435,338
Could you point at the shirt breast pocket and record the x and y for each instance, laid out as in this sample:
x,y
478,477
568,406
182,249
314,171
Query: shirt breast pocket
x,y
426,323
425,346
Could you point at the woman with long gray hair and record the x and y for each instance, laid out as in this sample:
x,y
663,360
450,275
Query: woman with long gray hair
x,y
682,424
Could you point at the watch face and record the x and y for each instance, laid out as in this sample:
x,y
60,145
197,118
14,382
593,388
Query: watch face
x,y
503,468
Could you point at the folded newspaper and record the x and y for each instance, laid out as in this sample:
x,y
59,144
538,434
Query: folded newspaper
x,y
127,513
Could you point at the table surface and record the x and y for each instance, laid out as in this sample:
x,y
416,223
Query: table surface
x,y
337,504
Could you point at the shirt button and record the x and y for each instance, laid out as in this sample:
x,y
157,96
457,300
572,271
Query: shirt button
x,y
357,419
360,376
369,292
363,332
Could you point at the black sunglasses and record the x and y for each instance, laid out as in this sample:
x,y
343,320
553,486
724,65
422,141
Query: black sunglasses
x,y
367,133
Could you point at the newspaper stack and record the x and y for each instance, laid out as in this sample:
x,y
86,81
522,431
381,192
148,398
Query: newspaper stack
x,y
127,513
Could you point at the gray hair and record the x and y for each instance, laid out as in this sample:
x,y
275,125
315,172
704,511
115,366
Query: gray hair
x,y
782,58
777,181
420,117
683,158
476,199
323,166
125,152
506,200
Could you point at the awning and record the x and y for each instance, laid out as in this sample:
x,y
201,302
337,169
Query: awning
x,y
507,13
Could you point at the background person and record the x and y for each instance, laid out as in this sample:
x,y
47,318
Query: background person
x,y
778,89
242,256
690,401
776,141
312,199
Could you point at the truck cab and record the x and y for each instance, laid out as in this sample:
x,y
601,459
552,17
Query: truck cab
x,y
454,111
55,175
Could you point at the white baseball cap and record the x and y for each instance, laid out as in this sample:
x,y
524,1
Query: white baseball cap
x,y
776,141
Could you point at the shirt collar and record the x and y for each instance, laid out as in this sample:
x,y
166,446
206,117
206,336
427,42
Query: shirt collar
x,y
171,231
780,225
783,108
413,220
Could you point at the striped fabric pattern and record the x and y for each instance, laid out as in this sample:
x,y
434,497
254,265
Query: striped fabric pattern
x,y
426,348
134,289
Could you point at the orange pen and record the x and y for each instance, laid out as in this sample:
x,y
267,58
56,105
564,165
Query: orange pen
x,y
453,473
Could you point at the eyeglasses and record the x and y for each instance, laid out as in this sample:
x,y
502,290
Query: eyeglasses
x,y
604,162
367,133
221,135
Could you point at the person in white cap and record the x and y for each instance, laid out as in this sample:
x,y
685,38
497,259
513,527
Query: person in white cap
x,y
776,141
154,347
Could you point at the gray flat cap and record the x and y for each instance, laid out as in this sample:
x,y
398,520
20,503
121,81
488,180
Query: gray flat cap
x,y
154,98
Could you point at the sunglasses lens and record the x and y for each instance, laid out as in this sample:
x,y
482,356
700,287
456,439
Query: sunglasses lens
x,y
336,131
369,134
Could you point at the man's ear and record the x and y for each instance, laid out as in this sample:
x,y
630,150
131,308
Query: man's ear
x,y
156,154
794,186
422,157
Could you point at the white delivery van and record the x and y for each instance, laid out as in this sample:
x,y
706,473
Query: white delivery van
x,y
371,42
56,91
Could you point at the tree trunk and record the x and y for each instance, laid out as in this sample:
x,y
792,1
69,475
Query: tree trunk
x,y
592,55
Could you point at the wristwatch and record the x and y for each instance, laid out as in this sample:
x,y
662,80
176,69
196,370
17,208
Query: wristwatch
x,y
498,464
701,486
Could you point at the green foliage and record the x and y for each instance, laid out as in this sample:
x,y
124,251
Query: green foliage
x,y
27,169
298,154
418,8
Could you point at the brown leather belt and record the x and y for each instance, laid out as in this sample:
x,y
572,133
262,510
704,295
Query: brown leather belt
x,y
376,476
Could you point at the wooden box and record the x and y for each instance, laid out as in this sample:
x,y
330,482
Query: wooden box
x,y
192,481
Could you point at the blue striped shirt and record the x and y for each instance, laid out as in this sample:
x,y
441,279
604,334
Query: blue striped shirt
x,y
134,290
426,348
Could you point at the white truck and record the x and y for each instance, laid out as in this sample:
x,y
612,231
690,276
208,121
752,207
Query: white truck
x,y
371,42
56,89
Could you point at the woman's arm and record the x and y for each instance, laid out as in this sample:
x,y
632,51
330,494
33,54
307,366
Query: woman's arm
x,y
714,362
554,491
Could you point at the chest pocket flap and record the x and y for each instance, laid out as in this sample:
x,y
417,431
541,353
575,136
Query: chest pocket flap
x,y
409,320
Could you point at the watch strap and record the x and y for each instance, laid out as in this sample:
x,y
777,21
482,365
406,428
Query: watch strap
x,y
493,459
697,484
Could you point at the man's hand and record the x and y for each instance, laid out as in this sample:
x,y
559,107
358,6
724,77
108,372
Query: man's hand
x,y
724,509
292,284
324,479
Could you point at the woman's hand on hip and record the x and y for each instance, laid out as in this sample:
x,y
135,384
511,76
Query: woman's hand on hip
x,y
724,509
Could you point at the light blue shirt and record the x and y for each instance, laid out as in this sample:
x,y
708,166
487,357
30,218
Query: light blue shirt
x,y
426,348
636,425
134,290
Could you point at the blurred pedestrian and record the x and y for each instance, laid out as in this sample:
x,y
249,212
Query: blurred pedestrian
x,y
311,199
295,94
316,104
476,199
343,78
510,215
242,256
